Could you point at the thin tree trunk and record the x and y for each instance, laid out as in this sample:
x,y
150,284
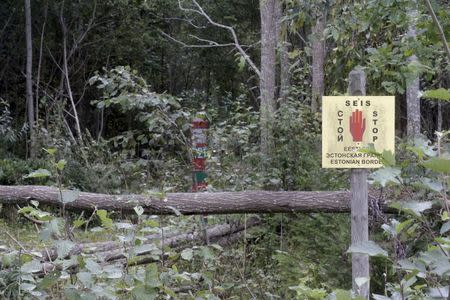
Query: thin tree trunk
x,y
439,116
282,46
412,89
441,31
38,76
267,79
413,106
285,75
318,58
66,74
29,80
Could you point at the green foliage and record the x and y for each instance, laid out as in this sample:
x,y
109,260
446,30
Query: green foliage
x,y
370,248
8,134
438,94
106,221
161,125
15,171
418,240
234,146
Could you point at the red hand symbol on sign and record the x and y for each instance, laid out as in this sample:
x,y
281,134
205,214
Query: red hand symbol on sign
x,y
357,125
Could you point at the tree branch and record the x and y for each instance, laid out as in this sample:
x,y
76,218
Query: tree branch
x,y
438,25
200,11
211,44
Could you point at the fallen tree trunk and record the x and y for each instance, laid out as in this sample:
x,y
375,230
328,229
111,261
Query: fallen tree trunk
x,y
190,203
111,252
215,233
109,249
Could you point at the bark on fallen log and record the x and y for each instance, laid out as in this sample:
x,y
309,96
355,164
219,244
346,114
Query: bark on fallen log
x,y
190,203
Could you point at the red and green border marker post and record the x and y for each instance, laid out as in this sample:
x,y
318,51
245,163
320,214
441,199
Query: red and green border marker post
x,y
200,127
199,137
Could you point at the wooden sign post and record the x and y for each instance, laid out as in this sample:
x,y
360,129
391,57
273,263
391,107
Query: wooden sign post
x,y
359,206
350,123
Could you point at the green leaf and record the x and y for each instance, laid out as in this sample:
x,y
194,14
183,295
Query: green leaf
x,y
40,173
414,207
402,225
73,294
385,175
206,253
78,223
360,281
139,210
151,223
423,146
241,63
85,278
51,229
51,151
64,247
113,272
141,292
28,287
396,227
187,254
152,276
103,215
437,261
370,248
68,196
389,86
439,165
93,266
445,227
61,164
49,280
340,295
31,267
432,185
388,158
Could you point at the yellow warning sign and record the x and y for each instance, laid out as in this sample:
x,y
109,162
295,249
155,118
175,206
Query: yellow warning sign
x,y
350,123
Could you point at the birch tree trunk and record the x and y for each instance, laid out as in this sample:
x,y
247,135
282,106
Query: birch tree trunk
x,y
412,89
29,82
318,58
267,80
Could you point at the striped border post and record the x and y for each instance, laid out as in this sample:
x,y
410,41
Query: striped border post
x,y
199,136
200,127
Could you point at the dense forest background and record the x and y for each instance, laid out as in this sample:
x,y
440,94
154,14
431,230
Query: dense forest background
x,y
101,95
